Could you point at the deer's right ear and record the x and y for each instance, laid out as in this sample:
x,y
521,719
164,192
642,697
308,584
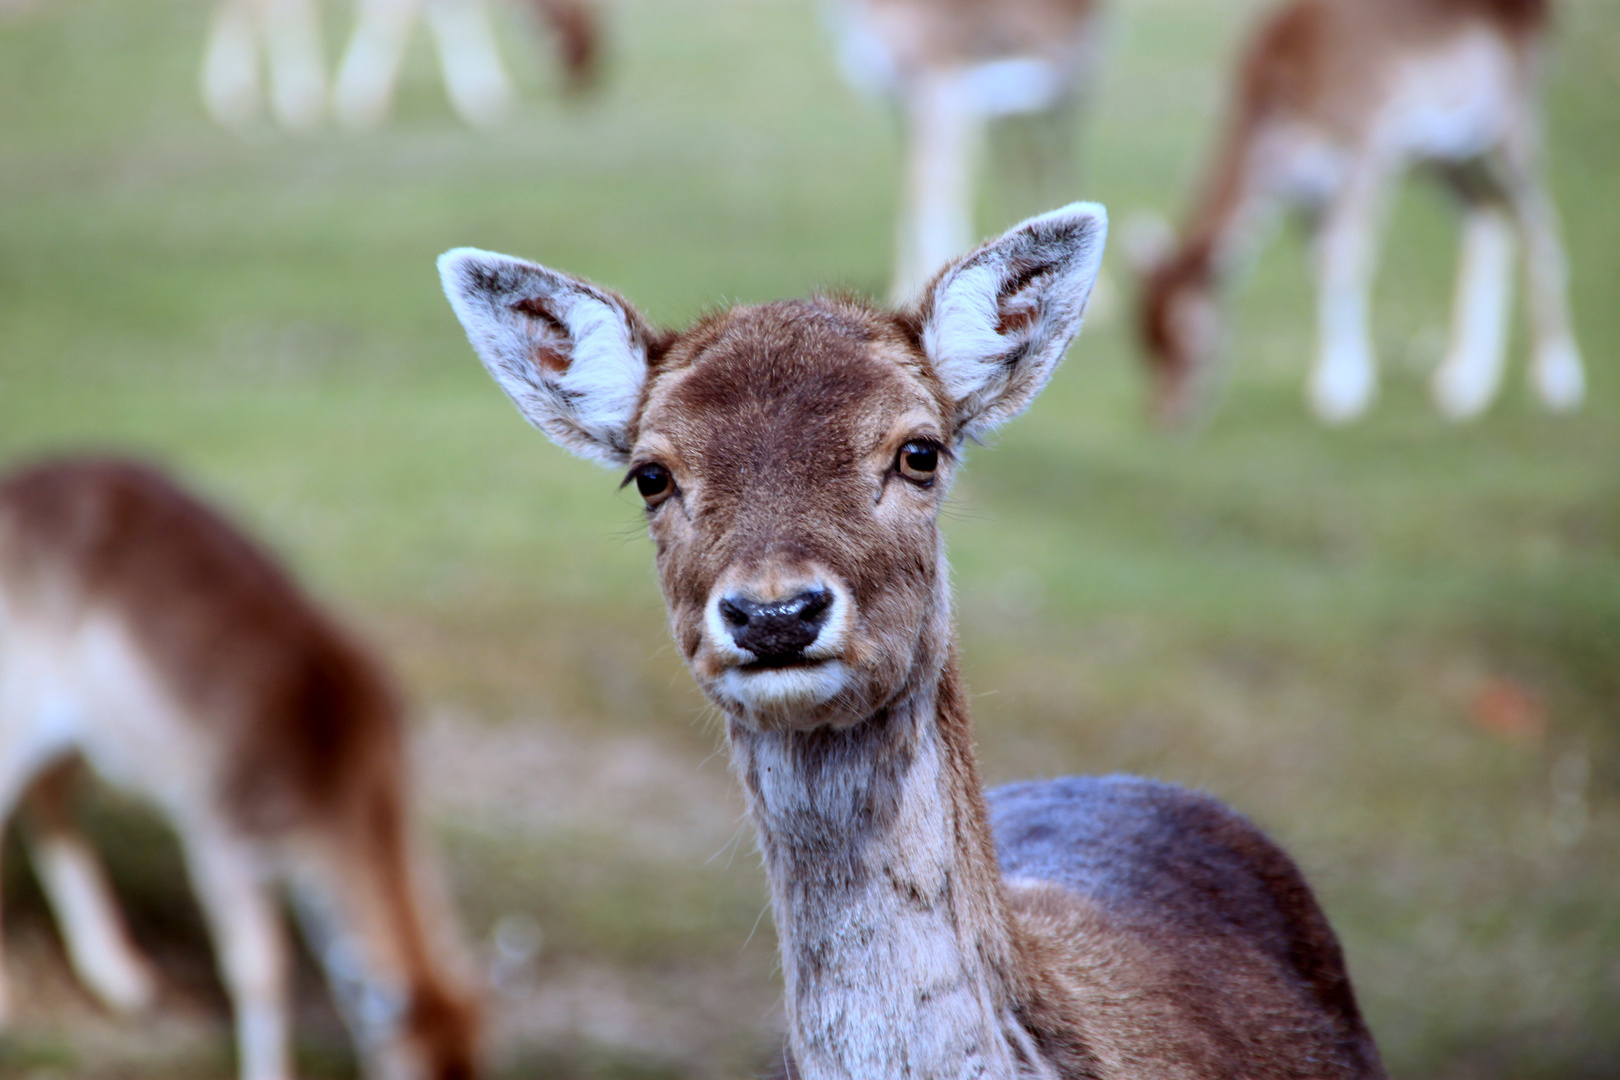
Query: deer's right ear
x,y
996,322
571,356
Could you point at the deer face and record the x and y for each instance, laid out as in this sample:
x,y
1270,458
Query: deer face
x,y
793,460
1181,331
793,456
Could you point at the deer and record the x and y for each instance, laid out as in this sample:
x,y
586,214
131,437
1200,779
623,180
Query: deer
x,y
952,66
1333,101
793,458
144,635
288,31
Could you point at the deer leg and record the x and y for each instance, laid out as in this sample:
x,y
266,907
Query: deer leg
x,y
1555,363
297,71
474,77
347,927
230,71
936,222
25,712
1471,372
248,943
370,66
1345,377
98,943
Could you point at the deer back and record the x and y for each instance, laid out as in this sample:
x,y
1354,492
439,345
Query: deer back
x,y
297,711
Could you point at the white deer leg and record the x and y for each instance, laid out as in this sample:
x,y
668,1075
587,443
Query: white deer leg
x,y
297,70
1471,372
98,943
370,66
249,944
1555,363
936,213
474,77
230,71
1345,378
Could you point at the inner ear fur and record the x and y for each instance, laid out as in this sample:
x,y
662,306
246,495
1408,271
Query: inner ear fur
x,y
571,355
995,323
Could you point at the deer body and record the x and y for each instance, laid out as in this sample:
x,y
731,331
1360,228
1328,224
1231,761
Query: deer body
x,y
142,633
793,457
953,65
1335,100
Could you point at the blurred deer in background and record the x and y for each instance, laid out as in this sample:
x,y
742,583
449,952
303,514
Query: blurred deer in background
x,y
476,80
953,65
794,458
1334,100
145,635
480,89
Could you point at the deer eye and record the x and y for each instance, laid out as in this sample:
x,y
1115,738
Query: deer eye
x,y
654,483
917,462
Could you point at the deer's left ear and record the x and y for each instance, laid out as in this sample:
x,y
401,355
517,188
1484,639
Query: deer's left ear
x,y
996,322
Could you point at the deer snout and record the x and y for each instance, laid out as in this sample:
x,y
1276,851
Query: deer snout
x,y
777,632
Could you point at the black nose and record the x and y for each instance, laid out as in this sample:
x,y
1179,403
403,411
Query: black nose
x,y
776,633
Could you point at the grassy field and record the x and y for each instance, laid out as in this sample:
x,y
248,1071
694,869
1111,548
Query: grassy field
x,y
1397,646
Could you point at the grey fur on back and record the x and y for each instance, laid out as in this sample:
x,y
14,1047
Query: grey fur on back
x,y
1177,864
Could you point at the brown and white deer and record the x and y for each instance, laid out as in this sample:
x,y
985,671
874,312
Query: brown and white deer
x,y
953,65
288,33
143,633
794,458
1334,100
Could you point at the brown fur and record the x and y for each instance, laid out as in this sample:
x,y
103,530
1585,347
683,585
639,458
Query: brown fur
x,y
307,730
304,710
579,38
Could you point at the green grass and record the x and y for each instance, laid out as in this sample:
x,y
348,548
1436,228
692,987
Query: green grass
x,y
1301,620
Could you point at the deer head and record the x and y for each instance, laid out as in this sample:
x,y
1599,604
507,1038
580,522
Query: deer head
x,y
792,456
1180,326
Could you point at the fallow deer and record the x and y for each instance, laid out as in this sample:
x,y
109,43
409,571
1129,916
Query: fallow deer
x,y
288,31
1334,100
953,65
144,634
793,458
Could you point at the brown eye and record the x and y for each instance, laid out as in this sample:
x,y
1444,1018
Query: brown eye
x,y
917,462
654,483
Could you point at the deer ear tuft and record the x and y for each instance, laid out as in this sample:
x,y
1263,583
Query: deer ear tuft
x,y
570,355
996,322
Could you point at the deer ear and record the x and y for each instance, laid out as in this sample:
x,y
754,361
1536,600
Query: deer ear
x,y
996,322
571,356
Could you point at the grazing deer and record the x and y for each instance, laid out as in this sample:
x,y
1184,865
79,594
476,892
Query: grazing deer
x,y
143,632
793,458
1334,100
953,65
289,31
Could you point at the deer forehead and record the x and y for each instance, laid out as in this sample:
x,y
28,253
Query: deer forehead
x,y
802,390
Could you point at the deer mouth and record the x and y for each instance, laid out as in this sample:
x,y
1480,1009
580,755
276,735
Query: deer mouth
x,y
778,683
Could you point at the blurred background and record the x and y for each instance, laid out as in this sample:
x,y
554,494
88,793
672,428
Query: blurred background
x,y
1395,645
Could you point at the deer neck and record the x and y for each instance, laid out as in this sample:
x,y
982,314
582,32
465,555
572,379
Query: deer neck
x,y
897,950
1228,212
